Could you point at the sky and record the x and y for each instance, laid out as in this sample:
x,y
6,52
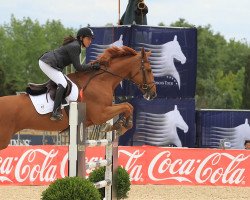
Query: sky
x,y
230,18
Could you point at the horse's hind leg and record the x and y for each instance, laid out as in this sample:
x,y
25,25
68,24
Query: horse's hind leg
x,y
9,110
5,137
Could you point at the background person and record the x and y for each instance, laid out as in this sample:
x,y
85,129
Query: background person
x,y
247,144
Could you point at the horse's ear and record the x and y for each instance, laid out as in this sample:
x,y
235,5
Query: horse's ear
x,y
142,52
246,121
175,38
175,107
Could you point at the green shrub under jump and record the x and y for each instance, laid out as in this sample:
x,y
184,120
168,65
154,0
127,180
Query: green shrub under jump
x,y
71,188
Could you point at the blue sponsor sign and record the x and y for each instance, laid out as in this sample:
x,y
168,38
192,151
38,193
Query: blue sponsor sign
x,y
173,58
214,126
28,139
162,122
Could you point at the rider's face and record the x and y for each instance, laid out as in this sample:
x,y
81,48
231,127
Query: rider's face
x,y
87,41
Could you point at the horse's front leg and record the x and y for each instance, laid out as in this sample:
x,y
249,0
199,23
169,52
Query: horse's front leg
x,y
127,121
110,112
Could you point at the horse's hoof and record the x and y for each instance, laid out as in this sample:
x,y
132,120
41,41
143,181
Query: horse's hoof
x,y
129,125
121,131
117,126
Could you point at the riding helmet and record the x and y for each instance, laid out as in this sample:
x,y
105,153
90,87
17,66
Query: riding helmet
x,y
85,32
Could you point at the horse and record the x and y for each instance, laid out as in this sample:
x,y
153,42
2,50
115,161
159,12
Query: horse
x,y
18,113
236,135
163,56
160,129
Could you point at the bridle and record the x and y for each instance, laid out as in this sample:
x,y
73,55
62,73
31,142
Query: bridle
x,y
145,86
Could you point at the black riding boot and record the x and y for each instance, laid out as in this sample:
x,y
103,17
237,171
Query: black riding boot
x,y
56,114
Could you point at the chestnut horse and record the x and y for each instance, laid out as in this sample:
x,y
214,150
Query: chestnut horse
x,y
18,113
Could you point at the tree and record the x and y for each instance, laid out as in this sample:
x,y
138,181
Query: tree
x,y
246,90
2,52
24,42
181,23
2,81
161,24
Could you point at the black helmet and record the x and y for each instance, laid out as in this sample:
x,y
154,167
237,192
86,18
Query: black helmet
x,y
85,32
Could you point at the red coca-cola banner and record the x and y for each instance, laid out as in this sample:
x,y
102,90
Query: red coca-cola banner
x,y
41,165
32,165
155,165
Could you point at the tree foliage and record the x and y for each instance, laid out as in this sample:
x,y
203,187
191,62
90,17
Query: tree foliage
x,y
246,88
22,42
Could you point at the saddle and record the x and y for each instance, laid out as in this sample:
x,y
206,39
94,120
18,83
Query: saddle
x,y
48,87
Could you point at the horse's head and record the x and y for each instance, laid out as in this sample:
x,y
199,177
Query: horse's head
x,y
143,76
175,48
179,121
125,63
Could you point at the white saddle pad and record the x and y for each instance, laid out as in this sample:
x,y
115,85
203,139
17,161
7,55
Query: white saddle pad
x,y
44,104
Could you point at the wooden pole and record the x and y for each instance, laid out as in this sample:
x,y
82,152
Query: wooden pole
x,y
119,11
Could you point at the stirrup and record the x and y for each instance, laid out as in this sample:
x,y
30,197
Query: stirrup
x,y
56,116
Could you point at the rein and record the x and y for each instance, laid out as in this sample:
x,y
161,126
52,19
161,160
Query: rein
x,y
145,86
87,83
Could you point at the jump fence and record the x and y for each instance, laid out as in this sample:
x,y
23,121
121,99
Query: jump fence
x,y
77,151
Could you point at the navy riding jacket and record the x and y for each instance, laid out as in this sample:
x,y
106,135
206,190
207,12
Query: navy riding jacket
x,y
64,56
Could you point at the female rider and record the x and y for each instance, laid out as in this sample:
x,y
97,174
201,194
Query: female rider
x,y
53,62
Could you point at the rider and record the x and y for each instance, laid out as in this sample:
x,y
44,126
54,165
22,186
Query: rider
x,y
53,62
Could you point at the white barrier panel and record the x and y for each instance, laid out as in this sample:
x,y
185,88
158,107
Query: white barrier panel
x,y
99,163
102,184
94,143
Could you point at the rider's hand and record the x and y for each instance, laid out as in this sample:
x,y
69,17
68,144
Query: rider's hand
x,y
96,66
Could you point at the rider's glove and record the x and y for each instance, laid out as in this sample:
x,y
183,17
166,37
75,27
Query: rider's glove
x,y
96,66
90,66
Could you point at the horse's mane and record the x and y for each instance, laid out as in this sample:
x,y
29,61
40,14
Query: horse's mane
x,y
114,52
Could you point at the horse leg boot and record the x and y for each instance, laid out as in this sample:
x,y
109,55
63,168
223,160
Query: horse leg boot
x,y
57,114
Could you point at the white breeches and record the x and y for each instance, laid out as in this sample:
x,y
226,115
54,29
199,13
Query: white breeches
x,y
53,74
59,78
